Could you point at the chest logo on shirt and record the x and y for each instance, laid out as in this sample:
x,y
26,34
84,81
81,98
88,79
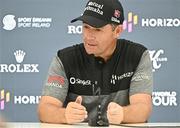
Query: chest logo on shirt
x,y
115,78
73,80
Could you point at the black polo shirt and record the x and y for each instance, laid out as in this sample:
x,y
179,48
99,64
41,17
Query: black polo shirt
x,y
74,72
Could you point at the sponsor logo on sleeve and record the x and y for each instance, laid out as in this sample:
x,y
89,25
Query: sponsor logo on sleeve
x,y
55,81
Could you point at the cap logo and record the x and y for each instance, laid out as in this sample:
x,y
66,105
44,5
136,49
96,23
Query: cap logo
x,y
95,7
116,13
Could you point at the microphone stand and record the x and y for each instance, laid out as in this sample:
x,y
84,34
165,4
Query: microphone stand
x,y
99,120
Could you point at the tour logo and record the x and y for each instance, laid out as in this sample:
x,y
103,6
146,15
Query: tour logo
x,y
165,98
19,67
155,56
4,98
130,22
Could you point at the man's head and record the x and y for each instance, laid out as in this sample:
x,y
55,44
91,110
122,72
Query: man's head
x,y
102,25
99,13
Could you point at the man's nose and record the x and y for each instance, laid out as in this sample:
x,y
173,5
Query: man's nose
x,y
91,34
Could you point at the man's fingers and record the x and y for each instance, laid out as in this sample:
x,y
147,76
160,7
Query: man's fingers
x,y
112,105
112,108
79,100
78,106
113,112
79,112
75,112
114,119
75,105
77,117
72,121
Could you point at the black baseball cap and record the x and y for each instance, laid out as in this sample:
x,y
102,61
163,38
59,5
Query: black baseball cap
x,y
98,13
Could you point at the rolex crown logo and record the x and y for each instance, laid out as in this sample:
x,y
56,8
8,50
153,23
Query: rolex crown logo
x,y
19,55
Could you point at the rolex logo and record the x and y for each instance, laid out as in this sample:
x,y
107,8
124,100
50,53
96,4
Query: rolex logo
x,y
19,55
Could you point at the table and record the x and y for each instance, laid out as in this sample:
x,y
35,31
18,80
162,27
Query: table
x,y
82,125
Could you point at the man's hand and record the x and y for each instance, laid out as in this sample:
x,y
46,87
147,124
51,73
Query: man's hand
x,y
75,112
115,113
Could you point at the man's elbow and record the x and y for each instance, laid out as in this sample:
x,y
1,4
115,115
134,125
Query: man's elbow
x,y
40,113
145,115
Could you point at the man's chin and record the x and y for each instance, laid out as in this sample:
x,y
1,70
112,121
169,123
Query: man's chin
x,y
90,53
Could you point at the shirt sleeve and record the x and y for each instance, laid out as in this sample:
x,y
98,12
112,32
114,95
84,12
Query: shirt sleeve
x,y
142,80
56,83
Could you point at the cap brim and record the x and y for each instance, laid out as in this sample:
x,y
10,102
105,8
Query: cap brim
x,y
92,21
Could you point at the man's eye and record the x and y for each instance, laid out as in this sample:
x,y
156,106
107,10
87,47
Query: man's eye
x,y
85,26
98,29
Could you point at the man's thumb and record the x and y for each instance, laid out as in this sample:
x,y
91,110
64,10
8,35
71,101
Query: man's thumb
x,y
79,100
112,105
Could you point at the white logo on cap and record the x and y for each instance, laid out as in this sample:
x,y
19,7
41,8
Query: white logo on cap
x,y
95,7
115,19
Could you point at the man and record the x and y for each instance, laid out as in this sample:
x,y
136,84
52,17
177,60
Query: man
x,y
103,78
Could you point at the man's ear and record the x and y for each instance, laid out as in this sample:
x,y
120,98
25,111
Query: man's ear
x,y
118,31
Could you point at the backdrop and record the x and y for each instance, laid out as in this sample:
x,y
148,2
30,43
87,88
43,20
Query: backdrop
x,y
31,32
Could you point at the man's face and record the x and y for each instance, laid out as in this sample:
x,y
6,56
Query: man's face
x,y
99,41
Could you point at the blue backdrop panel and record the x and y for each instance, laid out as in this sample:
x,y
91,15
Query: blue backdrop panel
x,y
32,31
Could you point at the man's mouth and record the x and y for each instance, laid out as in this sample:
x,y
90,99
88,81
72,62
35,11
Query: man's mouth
x,y
91,44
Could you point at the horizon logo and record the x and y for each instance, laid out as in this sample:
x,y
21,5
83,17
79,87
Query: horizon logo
x,y
130,22
19,57
115,78
160,22
155,58
4,98
17,100
26,99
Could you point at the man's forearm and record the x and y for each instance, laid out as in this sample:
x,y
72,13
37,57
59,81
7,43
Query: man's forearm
x,y
136,113
50,113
